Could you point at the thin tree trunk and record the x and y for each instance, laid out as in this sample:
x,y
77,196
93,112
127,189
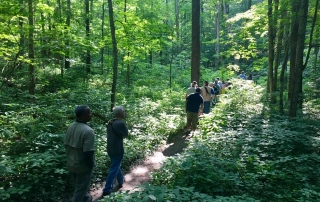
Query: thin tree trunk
x,y
177,23
271,47
195,53
283,70
278,48
32,83
87,22
68,20
115,55
217,43
102,37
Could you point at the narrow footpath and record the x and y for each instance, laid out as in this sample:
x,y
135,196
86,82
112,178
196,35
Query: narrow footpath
x,y
141,173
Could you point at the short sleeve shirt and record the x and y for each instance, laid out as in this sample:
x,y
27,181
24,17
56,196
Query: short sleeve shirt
x,y
79,139
191,90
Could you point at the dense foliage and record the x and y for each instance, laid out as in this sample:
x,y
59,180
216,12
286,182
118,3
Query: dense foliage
x,y
244,152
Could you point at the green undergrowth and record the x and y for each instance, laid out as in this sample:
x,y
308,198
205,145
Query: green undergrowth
x,y
33,163
245,152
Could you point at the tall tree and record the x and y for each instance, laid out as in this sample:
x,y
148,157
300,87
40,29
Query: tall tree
x,y
271,47
32,78
114,53
195,49
296,81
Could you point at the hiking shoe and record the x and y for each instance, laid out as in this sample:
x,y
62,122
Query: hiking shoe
x,y
105,194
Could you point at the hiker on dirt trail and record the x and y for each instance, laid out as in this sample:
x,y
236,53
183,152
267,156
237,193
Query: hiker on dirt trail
x,y
116,131
79,144
192,88
206,95
211,84
194,101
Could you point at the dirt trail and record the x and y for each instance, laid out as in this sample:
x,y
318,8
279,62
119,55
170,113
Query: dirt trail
x,y
141,173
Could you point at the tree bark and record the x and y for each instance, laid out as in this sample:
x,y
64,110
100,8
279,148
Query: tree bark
x,y
195,52
293,45
271,47
115,55
278,49
297,83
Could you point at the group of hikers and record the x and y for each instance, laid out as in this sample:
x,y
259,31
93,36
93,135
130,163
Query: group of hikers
x,y
79,139
199,100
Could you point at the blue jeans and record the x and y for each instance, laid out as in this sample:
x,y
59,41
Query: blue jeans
x,y
206,107
114,172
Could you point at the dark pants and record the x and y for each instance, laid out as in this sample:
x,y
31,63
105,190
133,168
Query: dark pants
x,y
82,183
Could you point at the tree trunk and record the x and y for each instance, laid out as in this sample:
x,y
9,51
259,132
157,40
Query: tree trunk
x,y
68,20
278,48
271,47
195,52
217,43
32,83
283,70
293,45
297,85
115,55
87,22
102,38
177,23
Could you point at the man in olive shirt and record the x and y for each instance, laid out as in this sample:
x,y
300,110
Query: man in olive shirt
x,y
79,144
116,131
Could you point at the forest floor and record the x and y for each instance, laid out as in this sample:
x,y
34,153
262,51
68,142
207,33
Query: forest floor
x,y
141,173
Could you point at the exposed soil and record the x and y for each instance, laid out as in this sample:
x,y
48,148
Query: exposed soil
x,y
141,173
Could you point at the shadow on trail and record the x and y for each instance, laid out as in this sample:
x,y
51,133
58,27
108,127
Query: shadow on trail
x,y
176,144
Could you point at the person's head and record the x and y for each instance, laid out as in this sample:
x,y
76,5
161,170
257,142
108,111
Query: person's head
x,y
223,82
242,72
119,112
198,90
83,113
194,84
211,84
218,78
206,83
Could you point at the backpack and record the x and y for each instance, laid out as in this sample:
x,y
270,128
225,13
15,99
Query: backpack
x,y
216,89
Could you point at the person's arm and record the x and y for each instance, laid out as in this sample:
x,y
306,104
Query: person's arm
x,y
89,158
120,128
88,149
201,109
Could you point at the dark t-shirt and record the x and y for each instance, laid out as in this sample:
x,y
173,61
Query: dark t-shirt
x,y
194,101
116,131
